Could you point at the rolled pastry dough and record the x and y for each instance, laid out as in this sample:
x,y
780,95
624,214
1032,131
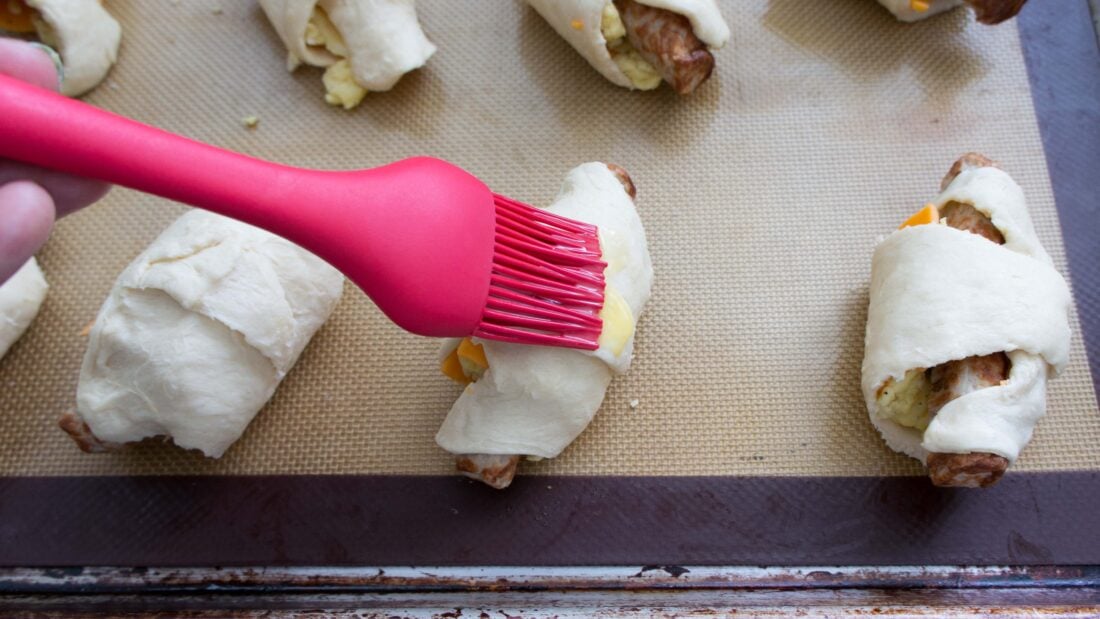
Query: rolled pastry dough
x,y
939,294
198,332
565,15
535,400
905,10
85,35
20,299
382,39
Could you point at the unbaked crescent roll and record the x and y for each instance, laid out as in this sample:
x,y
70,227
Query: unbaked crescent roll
x,y
20,299
363,45
83,33
639,43
196,335
967,319
988,11
532,400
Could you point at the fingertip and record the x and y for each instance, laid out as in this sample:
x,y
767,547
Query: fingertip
x,y
24,61
26,218
69,193
76,193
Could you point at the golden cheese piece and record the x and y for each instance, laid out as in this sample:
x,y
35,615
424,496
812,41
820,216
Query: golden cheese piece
x,y
452,368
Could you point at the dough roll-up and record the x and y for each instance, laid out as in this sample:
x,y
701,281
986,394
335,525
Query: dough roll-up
x,y
82,31
20,299
534,401
988,11
363,45
639,43
197,333
967,319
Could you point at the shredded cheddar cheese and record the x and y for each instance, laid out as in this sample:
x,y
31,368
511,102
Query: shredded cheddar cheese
x,y
473,354
452,368
466,363
927,215
577,24
920,6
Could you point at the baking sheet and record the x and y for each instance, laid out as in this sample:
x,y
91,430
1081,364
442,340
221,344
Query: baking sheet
x,y
1029,518
763,196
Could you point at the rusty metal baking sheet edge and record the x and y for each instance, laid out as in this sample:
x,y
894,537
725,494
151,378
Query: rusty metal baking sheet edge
x,y
647,591
532,578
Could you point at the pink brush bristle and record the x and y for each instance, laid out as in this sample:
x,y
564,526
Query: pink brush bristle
x,y
547,286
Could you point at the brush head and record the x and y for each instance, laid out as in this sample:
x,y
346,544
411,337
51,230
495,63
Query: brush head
x,y
547,281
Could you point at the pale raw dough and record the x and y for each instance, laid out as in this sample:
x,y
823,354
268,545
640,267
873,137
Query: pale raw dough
x,y
564,15
198,332
535,400
382,39
939,294
904,11
85,35
20,299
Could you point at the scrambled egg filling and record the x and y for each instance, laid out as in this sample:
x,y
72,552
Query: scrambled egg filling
x,y
906,401
340,85
618,322
16,16
611,24
640,73
321,32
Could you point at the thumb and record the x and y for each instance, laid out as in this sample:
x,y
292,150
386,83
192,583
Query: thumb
x,y
26,216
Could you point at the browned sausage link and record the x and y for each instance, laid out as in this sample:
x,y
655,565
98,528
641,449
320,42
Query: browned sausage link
x,y
624,178
667,41
976,470
76,428
955,379
493,469
965,217
992,12
966,162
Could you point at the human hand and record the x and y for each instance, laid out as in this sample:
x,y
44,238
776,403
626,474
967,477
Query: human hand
x,y
31,197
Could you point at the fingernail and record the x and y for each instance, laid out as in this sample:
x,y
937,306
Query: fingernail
x,y
56,58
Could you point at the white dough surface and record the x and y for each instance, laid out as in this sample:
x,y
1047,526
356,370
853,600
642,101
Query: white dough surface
x,y
383,37
86,36
20,299
198,332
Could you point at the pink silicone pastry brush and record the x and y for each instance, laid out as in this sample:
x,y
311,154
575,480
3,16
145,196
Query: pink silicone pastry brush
x,y
437,251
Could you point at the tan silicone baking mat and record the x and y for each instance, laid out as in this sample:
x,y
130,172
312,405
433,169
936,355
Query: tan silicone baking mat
x,y
826,124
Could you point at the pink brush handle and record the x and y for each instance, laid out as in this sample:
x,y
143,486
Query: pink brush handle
x,y
416,235
46,129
